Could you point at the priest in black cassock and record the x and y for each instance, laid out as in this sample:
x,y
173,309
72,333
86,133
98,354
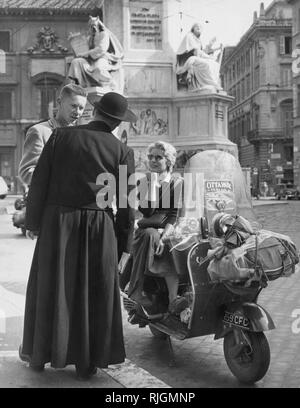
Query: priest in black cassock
x,y
73,311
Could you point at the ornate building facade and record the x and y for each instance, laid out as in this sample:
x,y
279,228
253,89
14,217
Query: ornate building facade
x,y
35,39
257,72
296,88
34,44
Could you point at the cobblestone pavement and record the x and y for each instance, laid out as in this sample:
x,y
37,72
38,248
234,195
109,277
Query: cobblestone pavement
x,y
200,361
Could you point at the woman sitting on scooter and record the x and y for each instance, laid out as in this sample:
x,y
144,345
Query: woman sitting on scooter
x,y
160,210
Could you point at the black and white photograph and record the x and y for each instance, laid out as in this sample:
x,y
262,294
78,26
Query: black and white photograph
x,y
150,197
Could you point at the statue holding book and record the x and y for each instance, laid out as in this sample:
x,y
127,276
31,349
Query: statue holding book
x,y
197,68
98,60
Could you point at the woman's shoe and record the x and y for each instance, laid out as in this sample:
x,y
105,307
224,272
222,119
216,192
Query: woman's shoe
x,y
178,305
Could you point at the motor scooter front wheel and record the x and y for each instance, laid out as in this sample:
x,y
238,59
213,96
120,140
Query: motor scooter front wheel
x,y
249,363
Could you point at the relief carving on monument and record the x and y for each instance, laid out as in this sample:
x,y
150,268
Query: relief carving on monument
x,y
98,58
150,123
47,43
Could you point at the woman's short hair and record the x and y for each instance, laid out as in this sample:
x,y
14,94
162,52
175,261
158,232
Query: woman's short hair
x,y
197,25
72,89
169,152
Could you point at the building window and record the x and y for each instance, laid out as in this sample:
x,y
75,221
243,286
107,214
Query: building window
x,y
288,45
285,46
5,104
242,64
256,118
287,119
248,123
248,85
5,41
288,153
256,78
242,89
286,76
247,59
5,164
49,90
238,94
233,72
298,100
238,68
48,101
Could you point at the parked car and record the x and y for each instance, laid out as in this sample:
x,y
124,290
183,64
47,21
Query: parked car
x,y
3,188
292,193
287,191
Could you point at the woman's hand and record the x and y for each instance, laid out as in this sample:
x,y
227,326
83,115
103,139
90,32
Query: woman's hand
x,y
32,234
160,248
83,55
123,262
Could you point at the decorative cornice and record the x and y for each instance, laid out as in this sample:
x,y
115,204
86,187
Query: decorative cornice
x,y
46,12
259,25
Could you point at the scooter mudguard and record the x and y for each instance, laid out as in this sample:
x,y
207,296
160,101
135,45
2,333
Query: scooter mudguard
x,y
246,316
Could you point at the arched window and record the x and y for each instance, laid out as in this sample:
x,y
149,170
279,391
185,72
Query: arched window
x,y
49,88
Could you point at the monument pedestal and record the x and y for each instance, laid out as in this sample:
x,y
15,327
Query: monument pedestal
x,y
201,119
191,121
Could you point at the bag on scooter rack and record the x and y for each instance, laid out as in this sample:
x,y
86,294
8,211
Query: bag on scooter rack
x,y
264,256
275,255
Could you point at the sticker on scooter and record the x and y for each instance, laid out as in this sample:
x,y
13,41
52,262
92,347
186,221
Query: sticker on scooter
x,y
236,319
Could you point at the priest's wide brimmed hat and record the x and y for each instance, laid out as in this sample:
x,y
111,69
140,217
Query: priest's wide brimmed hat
x,y
115,106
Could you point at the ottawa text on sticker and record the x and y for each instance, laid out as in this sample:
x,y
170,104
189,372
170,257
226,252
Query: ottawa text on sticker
x,y
220,185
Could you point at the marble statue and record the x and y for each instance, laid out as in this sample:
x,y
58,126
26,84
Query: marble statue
x,y
98,61
195,67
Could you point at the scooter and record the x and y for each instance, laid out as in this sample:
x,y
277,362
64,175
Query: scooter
x,y
227,309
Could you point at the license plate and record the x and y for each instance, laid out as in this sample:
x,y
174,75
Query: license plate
x,y
236,319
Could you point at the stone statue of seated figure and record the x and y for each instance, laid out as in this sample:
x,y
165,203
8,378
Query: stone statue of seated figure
x,y
101,63
196,69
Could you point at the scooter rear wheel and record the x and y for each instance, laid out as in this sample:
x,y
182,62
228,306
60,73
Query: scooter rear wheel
x,y
252,362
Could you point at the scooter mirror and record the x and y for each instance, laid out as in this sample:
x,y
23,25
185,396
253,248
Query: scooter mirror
x,y
204,228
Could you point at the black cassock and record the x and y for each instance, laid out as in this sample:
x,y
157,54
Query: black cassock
x,y
73,313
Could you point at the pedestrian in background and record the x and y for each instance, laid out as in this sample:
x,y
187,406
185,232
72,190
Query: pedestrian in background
x,y
71,103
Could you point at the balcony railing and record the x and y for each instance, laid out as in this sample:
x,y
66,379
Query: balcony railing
x,y
268,134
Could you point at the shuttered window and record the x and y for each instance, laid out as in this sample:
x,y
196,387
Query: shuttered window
x,y
285,45
5,41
